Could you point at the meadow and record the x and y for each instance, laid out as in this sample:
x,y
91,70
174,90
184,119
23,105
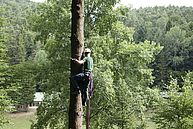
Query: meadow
x,y
24,120
20,120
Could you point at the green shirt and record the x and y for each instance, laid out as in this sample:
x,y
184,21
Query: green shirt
x,y
88,64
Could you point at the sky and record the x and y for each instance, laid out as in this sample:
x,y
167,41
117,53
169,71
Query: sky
x,y
151,3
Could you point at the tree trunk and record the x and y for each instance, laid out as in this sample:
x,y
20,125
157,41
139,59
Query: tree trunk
x,y
77,45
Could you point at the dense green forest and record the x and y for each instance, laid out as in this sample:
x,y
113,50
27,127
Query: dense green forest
x,y
138,54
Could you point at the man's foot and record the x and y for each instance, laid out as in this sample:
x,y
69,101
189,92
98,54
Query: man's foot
x,y
84,104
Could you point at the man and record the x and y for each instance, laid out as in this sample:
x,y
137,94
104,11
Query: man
x,y
87,61
82,80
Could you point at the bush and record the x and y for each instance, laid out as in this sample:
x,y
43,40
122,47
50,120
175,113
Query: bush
x,y
176,112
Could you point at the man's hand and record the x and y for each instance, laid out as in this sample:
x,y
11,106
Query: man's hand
x,y
77,61
74,59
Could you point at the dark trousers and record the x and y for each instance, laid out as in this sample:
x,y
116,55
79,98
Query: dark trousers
x,y
81,82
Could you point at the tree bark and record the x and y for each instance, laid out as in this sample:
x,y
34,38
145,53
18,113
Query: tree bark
x,y
77,45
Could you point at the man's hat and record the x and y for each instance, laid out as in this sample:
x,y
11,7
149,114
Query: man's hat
x,y
87,50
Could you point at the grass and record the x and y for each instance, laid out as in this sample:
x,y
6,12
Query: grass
x,y
19,123
23,121
19,120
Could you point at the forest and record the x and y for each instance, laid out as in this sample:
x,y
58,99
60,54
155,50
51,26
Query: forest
x,y
143,62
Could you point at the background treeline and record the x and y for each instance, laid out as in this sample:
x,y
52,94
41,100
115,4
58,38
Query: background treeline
x,y
17,50
137,53
172,27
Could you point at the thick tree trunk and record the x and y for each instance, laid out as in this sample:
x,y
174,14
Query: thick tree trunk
x,y
77,45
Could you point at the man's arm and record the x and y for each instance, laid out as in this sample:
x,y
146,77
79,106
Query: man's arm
x,y
78,61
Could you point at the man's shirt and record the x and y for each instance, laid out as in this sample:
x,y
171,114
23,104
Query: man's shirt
x,y
88,64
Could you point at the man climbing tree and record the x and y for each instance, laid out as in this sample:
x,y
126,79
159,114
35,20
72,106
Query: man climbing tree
x,y
77,45
83,81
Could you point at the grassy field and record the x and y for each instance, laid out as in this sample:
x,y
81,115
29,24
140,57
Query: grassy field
x,y
19,120
23,121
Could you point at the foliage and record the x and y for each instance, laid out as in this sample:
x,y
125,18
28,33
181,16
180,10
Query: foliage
x,y
171,27
22,80
121,82
19,41
18,71
55,35
52,112
4,100
176,111
127,61
4,106
120,65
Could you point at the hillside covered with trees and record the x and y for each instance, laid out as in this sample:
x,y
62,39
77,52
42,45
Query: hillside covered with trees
x,y
138,54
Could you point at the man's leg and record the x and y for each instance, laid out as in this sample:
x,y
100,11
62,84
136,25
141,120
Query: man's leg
x,y
76,80
85,90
